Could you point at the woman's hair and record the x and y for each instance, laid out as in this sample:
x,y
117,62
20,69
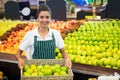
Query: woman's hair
x,y
43,7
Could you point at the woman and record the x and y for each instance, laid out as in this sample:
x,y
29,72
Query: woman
x,y
42,42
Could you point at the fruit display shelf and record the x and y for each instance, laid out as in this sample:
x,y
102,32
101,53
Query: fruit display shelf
x,y
93,70
8,64
94,43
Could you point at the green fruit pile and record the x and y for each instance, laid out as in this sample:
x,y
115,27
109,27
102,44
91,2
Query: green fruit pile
x,y
44,70
95,43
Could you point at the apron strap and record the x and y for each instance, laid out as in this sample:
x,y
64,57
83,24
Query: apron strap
x,y
53,37
35,39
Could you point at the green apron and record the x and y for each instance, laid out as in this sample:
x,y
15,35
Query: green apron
x,y
44,49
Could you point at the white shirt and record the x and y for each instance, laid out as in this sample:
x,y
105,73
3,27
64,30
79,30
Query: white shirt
x,y
27,43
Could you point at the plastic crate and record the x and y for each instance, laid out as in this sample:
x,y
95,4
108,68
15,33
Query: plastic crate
x,y
69,76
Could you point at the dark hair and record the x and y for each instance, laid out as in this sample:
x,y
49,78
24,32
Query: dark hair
x,y
43,7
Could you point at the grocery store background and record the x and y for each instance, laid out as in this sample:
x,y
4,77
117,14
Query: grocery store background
x,y
74,19
58,7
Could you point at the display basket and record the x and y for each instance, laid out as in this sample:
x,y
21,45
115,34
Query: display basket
x,y
51,62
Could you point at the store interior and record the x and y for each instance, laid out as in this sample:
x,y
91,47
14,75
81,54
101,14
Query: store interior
x,y
90,32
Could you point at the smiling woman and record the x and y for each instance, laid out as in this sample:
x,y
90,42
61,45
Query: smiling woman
x,y
41,42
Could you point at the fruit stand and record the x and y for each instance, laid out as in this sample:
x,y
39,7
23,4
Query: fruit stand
x,y
81,71
91,53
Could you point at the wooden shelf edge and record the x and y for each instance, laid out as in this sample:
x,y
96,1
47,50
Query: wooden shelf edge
x,y
95,70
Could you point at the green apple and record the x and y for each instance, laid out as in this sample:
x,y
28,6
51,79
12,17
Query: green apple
x,y
46,66
115,67
107,61
53,68
40,74
33,66
34,74
58,70
59,55
26,74
56,74
57,50
26,67
116,56
99,62
63,73
113,62
118,63
47,72
57,66
39,67
72,57
108,54
64,68
29,71
94,62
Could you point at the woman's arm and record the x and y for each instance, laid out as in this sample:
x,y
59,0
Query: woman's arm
x,y
18,57
66,57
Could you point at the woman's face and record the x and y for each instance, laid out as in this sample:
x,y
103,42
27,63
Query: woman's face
x,y
44,18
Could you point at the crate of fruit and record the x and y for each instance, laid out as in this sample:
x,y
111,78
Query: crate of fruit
x,y
46,69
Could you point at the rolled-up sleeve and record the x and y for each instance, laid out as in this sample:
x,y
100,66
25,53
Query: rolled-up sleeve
x,y
25,42
59,40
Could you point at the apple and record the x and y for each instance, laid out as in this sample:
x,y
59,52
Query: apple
x,y
118,64
26,74
46,66
108,66
55,74
59,55
33,66
64,68
108,54
72,57
58,70
107,61
39,67
57,66
99,62
34,74
47,72
113,62
26,67
29,71
63,73
40,74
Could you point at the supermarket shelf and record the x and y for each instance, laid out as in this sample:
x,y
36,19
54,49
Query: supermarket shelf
x,y
93,70
8,64
9,57
76,67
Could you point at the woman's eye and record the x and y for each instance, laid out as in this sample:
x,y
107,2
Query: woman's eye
x,y
41,17
47,17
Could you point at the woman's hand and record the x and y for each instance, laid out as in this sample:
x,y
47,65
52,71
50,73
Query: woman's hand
x,y
18,56
68,63
20,63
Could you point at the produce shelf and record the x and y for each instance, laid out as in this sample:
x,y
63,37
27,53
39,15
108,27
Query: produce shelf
x,y
8,57
93,70
8,61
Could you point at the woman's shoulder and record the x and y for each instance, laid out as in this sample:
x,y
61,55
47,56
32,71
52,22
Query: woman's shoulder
x,y
31,32
55,31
